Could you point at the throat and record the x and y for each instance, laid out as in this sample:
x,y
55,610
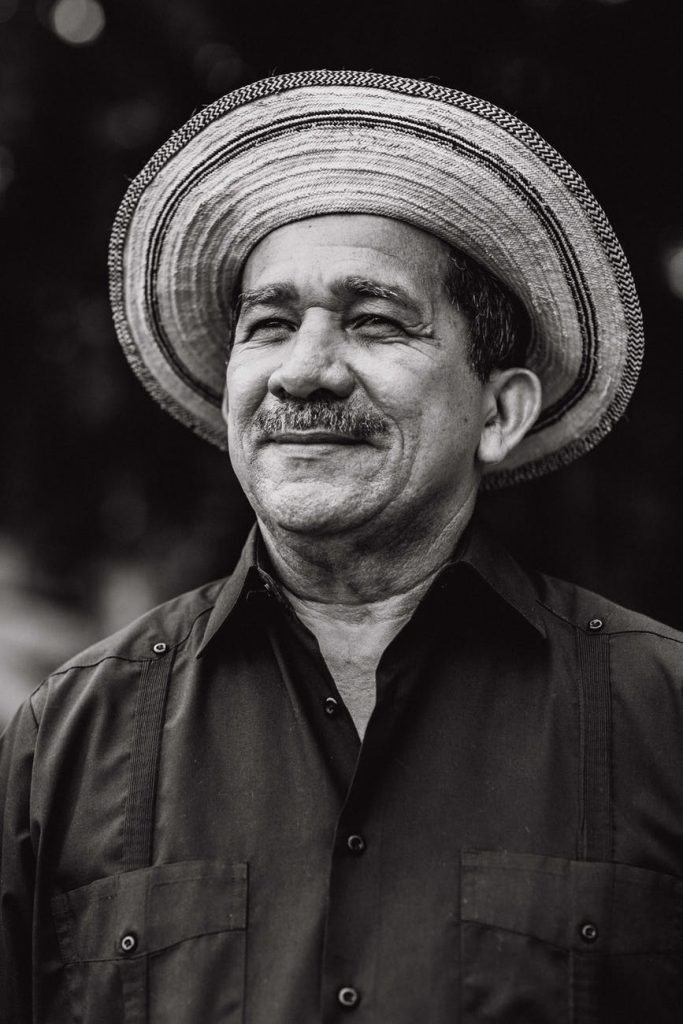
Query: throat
x,y
352,640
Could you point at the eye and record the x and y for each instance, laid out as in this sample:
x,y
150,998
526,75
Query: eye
x,y
270,323
266,329
377,324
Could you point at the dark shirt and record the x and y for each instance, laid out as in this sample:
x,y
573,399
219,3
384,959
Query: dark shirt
x,y
193,831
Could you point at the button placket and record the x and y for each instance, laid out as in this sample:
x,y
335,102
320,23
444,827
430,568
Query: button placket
x,y
353,882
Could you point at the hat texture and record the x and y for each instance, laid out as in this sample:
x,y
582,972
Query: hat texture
x,y
323,142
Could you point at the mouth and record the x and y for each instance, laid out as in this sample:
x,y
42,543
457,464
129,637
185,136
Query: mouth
x,y
314,437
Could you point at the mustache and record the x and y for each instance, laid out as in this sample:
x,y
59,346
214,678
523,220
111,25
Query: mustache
x,y
339,417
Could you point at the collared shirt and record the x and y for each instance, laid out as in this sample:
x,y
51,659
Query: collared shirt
x,y
506,844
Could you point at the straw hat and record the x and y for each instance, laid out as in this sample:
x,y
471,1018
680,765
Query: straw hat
x,y
322,142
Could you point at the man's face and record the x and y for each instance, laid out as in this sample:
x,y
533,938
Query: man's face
x,y
349,396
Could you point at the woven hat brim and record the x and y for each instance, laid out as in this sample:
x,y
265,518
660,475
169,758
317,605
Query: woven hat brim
x,y
313,143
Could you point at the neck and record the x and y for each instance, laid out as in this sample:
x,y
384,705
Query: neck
x,y
361,567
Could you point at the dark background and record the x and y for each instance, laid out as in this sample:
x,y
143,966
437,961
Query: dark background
x,y
108,505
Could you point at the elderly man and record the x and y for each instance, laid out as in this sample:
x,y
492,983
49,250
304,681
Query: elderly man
x,y
380,770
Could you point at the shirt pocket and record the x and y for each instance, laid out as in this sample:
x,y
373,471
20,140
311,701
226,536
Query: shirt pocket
x,y
158,944
547,941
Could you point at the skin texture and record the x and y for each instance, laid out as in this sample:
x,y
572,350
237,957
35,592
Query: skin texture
x,y
351,310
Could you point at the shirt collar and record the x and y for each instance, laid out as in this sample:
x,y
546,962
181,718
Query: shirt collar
x,y
494,564
246,578
478,550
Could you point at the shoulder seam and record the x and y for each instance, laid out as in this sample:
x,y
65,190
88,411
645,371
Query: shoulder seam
x,y
647,632
32,698
31,707
94,664
607,632
133,661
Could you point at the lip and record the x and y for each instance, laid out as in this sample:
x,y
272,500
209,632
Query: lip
x,y
314,437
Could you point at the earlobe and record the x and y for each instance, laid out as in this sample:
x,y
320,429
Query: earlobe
x,y
512,402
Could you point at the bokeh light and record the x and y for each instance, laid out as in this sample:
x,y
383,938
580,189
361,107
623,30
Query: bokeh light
x,y
77,22
673,268
220,67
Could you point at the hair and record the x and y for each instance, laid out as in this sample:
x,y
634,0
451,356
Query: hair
x,y
500,327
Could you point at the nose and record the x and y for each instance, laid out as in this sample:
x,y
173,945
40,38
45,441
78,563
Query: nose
x,y
312,360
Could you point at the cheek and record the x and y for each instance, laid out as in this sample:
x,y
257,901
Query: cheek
x,y
443,425
390,381
246,385
416,398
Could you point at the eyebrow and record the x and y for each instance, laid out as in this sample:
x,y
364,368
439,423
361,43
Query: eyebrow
x,y
268,295
365,288
351,287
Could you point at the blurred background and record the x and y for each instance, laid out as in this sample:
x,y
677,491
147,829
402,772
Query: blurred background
x,y
108,505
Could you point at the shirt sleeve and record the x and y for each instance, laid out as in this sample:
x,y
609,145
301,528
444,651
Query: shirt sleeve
x,y
17,868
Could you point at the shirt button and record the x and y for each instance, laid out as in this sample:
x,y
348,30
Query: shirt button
x,y
160,648
128,943
348,997
356,844
595,624
588,932
331,706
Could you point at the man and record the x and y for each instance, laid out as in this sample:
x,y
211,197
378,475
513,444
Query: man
x,y
380,770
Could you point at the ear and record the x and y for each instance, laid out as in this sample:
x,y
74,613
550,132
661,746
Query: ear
x,y
512,402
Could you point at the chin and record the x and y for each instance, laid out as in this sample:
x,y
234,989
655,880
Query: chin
x,y
315,511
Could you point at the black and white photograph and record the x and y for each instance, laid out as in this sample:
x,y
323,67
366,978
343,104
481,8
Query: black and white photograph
x,y
341,557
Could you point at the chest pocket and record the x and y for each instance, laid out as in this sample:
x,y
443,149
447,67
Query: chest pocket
x,y
552,941
157,944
